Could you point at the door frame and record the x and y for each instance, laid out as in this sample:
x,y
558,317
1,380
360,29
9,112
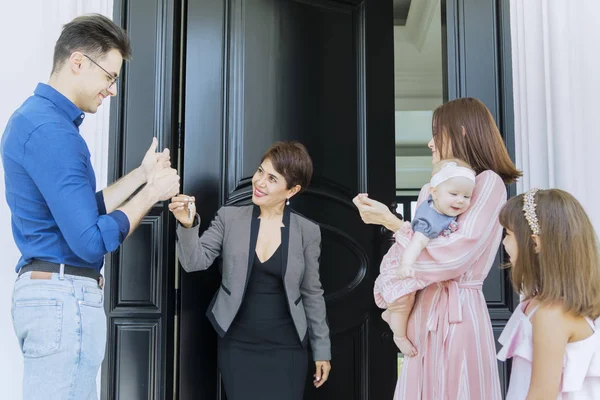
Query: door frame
x,y
458,32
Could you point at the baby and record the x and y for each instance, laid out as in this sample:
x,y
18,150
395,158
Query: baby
x,y
450,191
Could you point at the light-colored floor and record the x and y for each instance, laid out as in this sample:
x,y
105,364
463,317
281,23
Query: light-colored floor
x,y
400,361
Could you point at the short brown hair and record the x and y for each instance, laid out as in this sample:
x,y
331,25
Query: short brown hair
x,y
567,267
292,161
94,35
481,146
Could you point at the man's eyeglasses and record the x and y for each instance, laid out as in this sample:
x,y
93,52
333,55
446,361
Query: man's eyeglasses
x,y
111,78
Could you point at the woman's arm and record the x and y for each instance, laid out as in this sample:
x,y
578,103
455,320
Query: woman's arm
x,y
374,212
198,253
312,297
551,332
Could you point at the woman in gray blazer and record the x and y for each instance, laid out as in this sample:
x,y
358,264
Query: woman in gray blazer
x,y
271,299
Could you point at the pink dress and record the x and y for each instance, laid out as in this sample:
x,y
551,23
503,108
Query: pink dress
x,y
581,368
450,325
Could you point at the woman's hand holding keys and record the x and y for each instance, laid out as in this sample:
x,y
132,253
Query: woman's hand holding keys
x,y
184,209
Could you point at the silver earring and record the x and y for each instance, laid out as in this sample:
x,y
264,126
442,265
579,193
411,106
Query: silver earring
x,y
287,203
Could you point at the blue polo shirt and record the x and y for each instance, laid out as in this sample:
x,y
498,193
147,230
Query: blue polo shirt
x,y
50,186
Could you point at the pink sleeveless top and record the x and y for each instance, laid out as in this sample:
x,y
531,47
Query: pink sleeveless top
x,y
581,367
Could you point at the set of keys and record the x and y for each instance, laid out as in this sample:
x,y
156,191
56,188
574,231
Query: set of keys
x,y
190,204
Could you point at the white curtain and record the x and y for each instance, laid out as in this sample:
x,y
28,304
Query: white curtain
x,y
29,30
556,59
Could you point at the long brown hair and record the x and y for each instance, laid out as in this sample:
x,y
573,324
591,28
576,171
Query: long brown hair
x,y
567,267
481,144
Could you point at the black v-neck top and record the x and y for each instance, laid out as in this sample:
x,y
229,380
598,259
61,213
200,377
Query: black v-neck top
x,y
264,318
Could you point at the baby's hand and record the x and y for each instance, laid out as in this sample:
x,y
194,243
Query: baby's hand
x,y
405,272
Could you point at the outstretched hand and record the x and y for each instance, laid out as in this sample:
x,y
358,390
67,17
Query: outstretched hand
x,y
184,209
371,211
154,161
165,183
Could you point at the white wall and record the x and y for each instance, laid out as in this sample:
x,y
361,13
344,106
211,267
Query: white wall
x,y
27,47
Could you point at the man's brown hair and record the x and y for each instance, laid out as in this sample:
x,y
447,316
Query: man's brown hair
x,y
93,35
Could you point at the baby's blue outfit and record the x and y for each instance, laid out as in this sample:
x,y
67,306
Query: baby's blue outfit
x,y
429,221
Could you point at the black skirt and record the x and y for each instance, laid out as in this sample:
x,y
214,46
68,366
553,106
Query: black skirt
x,y
261,357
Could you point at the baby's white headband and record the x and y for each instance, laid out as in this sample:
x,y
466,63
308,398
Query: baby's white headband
x,y
451,170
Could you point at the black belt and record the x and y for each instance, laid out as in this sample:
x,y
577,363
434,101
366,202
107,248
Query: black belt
x,y
45,266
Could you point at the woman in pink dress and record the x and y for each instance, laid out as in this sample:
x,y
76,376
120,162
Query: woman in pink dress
x,y
450,324
553,337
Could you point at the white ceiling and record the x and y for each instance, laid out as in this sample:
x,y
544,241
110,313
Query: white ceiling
x,y
401,8
418,86
418,56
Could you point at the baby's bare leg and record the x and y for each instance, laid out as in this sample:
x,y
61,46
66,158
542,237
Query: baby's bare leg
x,y
397,319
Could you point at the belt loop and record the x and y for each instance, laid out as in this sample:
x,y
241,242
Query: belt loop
x,y
61,274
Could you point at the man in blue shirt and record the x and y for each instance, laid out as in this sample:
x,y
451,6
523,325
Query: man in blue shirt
x,y
62,227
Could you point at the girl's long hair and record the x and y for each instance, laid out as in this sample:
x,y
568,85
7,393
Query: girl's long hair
x,y
567,267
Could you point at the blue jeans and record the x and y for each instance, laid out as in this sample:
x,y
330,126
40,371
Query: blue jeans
x,y
61,328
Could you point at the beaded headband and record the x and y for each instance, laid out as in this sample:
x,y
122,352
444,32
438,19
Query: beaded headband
x,y
529,211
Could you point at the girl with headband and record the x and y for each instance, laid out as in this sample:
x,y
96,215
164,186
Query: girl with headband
x,y
553,337
451,188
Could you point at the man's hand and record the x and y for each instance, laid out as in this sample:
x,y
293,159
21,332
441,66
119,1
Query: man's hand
x,y
154,161
164,184
119,192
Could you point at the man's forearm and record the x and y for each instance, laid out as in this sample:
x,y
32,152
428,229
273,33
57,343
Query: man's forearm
x,y
117,193
138,207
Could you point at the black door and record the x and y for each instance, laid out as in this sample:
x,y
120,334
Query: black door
x,y
320,72
256,71
139,293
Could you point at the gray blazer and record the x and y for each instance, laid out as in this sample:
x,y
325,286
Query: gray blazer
x,y
232,235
